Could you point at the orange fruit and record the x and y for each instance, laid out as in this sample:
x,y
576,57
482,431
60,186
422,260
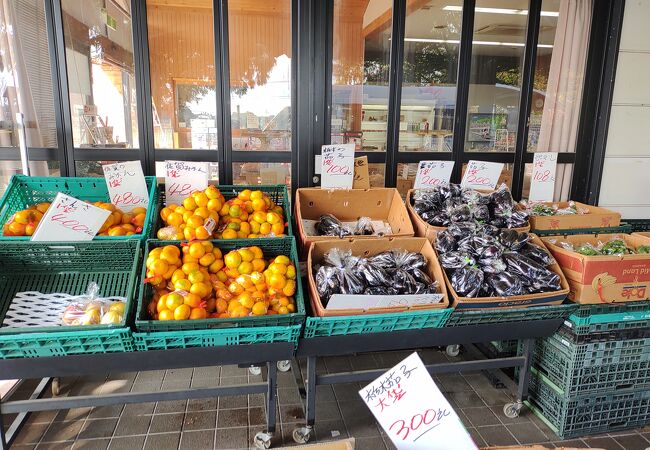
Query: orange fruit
x,y
202,211
277,229
231,273
202,233
245,194
161,304
258,204
291,272
201,289
256,194
278,268
174,300
245,267
277,281
233,259
182,312
17,229
187,215
189,204
283,310
177,275
259,217
245,280
183,285
196,277
170,253
200,199
198,313
195,221
246,254
113,231
189,267
255,227
165,314
189,234
259,309
246,300
196,250
212,192
245,228
265,228
158,267
221,275
175,219
216,266
272,218
229,234
258,264
214,204
192,300
289,288
221,305
207,259
235,211
235,288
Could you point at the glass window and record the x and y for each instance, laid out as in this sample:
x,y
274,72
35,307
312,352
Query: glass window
x,y
100,65
181,61
36,169
252,173
26,85
431,46
377,174
260,74
91,168
563,176
559,76
213,173
495,79
360,69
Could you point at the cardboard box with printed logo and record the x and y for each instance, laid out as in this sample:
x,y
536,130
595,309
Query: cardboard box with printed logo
x,y
603,279
595,217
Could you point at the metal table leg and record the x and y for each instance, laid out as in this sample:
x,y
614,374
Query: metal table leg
x,y
263,439
302,435
511,410
3,441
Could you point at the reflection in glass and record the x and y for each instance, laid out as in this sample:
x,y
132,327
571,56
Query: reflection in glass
x,y
36,169
495,79
213,171
431,46
26,82
252,173
360,69
406,177
100,65
91,168
260,74
377,174
181,60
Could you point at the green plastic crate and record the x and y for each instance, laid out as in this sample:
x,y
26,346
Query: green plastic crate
x,y
214,337
270,246
589,319
638,225
376,323
24,191
276,192
482,316
602,230
67,267
590,414
505,348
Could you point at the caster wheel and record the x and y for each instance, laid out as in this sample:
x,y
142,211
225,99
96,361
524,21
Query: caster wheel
x,y
255,370
302,435
453,350
262,440
284,366
56,387
511,410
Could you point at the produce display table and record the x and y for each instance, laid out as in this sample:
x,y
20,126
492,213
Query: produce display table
x,y
81,365
346,345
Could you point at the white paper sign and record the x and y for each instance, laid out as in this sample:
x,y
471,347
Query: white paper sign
x,y
412,410
126,185
345,301
70,219
542,181
337,166
433,173
481,175
182,178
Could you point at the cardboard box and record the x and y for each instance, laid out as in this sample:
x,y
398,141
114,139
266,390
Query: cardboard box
x,y
370,247
603,279
644,234
350,204
516,301
423,229
345,444
596,218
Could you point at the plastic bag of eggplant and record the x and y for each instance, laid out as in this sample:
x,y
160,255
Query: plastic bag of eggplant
x,y
394,272
484,261
444,205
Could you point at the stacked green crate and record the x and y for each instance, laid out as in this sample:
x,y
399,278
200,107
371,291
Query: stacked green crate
x,y
593,375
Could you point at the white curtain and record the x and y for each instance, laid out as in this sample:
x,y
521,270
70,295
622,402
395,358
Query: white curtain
x,y
559,126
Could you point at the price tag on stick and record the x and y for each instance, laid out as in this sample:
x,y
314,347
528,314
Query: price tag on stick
x,y
70,219
182,178
337,166
412,410
433,173
126,185
542,182
481,175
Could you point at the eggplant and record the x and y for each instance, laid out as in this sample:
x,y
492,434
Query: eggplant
x,y
467,281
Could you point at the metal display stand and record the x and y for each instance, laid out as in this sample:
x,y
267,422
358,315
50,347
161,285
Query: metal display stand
x,y
80,365
450,337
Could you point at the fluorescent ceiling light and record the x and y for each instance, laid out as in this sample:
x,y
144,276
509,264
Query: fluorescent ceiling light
x,y
493,43
517,12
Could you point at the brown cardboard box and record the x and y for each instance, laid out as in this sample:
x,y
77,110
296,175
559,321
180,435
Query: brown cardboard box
x,y
603,279
369,247
345,444
644,234
516,301
423,229
350,204
595,218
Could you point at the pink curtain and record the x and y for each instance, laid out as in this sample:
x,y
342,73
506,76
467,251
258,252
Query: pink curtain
x,y
559,126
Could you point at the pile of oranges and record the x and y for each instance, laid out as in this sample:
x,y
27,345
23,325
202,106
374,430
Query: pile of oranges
x,y
24,222
205,214
198,282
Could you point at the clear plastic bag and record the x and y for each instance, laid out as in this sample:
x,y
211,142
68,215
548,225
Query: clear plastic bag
x,y
90,309
329,225
364,227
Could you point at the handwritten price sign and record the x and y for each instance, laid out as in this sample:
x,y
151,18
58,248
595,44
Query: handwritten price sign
x,y
337,166
412,410
70,219
481,175
182,178
433,173
126,185
542,182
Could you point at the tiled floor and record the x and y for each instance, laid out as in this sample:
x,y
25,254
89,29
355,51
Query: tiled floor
x,y
231,422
